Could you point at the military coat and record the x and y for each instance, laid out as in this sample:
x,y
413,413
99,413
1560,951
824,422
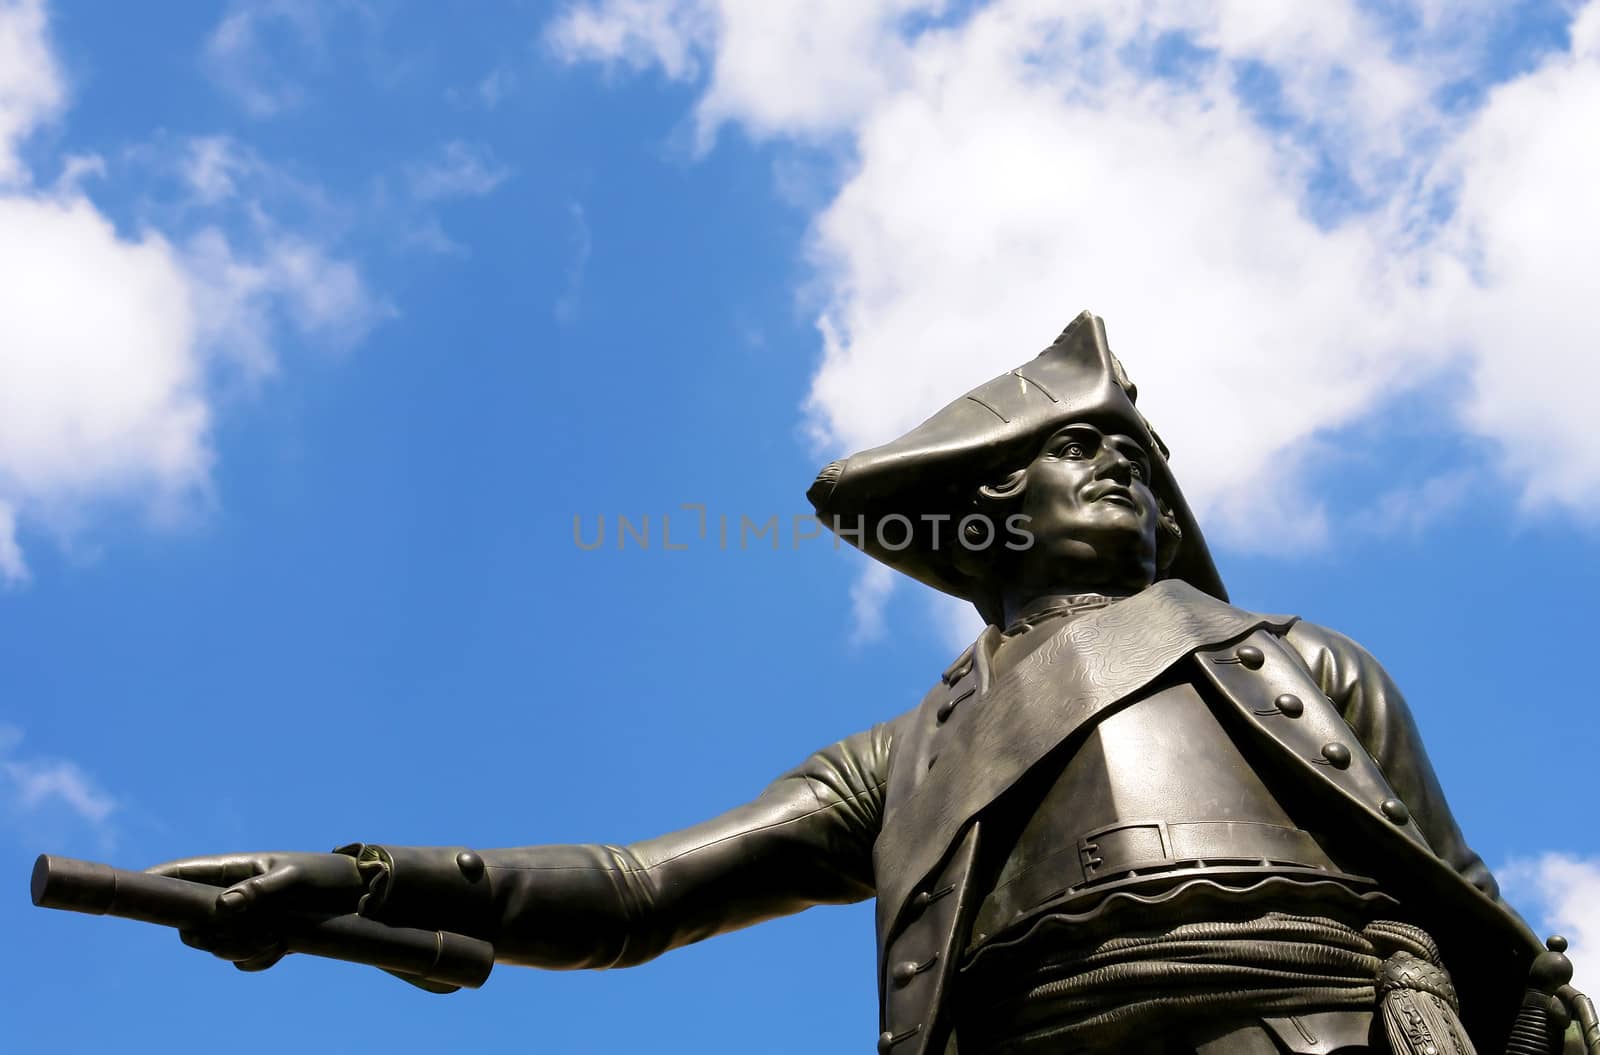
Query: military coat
x,y
899,812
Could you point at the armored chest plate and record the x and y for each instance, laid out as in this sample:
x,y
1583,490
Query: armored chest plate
x,y
1156,791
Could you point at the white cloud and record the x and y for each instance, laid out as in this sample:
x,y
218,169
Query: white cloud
x,y
241,58
211,166
35,783
1411,509
460,170
496,85
779,69
30,85
956,622
13,569
869,596
111,344
242,297
100,383
1560,893
31,785
1280,224
805,69
581,244
635,33
1524,174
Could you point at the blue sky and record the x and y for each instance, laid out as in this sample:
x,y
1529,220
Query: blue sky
x,y
321,323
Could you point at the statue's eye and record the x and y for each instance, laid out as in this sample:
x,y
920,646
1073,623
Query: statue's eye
x,y
1074,450
1138,471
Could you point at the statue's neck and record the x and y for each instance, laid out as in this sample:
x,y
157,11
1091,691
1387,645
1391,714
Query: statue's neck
x,y
1023,611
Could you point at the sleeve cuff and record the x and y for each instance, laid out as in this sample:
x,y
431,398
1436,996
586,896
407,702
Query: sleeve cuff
x,y
434,887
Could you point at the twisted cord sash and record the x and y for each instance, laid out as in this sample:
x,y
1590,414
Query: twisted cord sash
x,y
1271,965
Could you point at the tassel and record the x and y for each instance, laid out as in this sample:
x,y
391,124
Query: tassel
x,y
1418,1004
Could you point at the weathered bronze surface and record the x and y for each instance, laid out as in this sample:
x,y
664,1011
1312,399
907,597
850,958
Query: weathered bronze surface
x,y
1129,818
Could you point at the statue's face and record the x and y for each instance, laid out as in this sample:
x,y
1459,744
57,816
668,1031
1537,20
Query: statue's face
x,y
1088,501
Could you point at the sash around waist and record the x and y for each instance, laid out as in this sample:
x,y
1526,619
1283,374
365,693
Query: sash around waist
x,y
1063,996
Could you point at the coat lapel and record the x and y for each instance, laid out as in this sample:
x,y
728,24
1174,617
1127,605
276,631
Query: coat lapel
x,y
1311,733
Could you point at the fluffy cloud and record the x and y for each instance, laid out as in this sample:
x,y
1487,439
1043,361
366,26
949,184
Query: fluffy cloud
x,y
637,33
243,52
1523,174
1281,220
30,85
13,568
32,786
780,69
460,170
99,384
110,343
867,599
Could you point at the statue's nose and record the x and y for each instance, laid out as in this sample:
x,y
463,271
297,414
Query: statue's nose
x,y
1115,465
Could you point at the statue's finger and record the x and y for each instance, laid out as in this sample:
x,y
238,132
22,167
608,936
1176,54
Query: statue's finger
x,y
189,870
252,945
198,939
258,892
221,870
264,959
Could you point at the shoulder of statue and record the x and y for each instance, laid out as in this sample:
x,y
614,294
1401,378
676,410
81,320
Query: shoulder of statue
x,y
1331,655
1175,595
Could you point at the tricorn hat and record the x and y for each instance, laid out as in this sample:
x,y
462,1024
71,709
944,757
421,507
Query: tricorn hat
x,y
934,471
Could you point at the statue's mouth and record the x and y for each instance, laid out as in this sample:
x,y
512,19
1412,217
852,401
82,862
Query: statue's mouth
x,y
1115,494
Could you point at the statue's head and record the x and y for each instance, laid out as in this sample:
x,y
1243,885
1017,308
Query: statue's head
x,y
1046,479
1093,520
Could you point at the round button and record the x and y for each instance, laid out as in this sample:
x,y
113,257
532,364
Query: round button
x,y
1250,657
1395,810
471,865
1290,705
1337,755
903,972
885,1042
946,709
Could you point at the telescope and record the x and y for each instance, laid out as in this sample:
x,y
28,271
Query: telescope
x,y
437,960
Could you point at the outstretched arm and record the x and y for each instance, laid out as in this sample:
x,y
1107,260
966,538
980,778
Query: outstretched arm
x,y
806,840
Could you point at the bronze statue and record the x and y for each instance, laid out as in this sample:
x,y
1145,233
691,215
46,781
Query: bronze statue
x,y
1130,818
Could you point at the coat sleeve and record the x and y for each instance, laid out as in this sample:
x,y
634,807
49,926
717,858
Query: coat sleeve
x,y
1375,709
806,840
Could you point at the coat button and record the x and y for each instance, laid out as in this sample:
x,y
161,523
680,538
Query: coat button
x,y
887,1040
902,973
471,865
1250,657
1337,754
948,707
1395,810
1290,705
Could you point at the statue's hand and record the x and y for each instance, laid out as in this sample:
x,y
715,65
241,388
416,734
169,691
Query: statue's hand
x,y
257,890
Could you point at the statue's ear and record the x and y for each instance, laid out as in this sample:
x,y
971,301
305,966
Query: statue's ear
x,y
1169,536
1006,489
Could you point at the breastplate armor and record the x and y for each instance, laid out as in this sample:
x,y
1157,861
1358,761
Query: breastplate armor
x,y
1156,793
